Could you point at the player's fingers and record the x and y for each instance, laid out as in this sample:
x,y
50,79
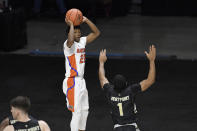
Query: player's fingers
x,y
150,48
146,53
153,49
100,52
66,20
105,51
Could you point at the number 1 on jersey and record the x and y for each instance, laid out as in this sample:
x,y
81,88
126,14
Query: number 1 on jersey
x,y
120,109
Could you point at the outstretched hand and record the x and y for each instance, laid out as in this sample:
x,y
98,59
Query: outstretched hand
x,y
152,53
103,57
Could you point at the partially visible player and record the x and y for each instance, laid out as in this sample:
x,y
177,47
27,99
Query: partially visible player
x,y
19,109
74,86
9,121
120,95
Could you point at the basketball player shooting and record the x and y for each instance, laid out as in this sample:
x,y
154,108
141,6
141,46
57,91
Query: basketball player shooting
x,y
120,95
74,86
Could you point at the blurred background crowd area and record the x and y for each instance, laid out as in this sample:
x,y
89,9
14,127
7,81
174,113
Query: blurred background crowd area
x,y
96,8
28,24
57,8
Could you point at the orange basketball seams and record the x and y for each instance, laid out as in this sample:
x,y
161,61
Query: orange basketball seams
x,y
75,15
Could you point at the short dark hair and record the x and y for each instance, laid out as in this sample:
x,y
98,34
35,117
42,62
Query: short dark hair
x,y
21,102
119,83
75,27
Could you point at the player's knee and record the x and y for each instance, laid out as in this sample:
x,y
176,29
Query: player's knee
x,y
82,114
85,113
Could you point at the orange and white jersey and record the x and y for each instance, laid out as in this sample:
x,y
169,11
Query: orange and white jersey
x,y
75,58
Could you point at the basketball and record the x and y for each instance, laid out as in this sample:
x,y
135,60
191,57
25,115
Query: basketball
x,y
75,15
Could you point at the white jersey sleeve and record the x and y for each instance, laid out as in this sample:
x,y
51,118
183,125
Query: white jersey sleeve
x,y
69,51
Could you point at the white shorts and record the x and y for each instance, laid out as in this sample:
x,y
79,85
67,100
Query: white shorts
x,y
76,94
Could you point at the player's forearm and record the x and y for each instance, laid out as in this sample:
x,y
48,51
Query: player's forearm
x,y
93,27
70,40
152,72
101,72
145,84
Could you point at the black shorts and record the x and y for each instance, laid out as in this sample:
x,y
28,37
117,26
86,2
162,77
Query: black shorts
x,y
125,128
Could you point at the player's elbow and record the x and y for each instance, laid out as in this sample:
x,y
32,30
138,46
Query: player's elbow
x,y
150,81
146,84
97,34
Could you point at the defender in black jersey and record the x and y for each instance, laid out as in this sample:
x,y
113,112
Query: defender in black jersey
x,y
120,95
10,121
21,120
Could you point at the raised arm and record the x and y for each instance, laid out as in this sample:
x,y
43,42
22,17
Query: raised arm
x,y
145,84
70,40
4,123
95,31
102,60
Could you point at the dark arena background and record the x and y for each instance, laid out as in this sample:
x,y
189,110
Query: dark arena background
x,y
32,61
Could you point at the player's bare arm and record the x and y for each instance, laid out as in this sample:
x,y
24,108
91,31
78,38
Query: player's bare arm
x,y
102,60
44,126
95,31
4,123
151,55
70,40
